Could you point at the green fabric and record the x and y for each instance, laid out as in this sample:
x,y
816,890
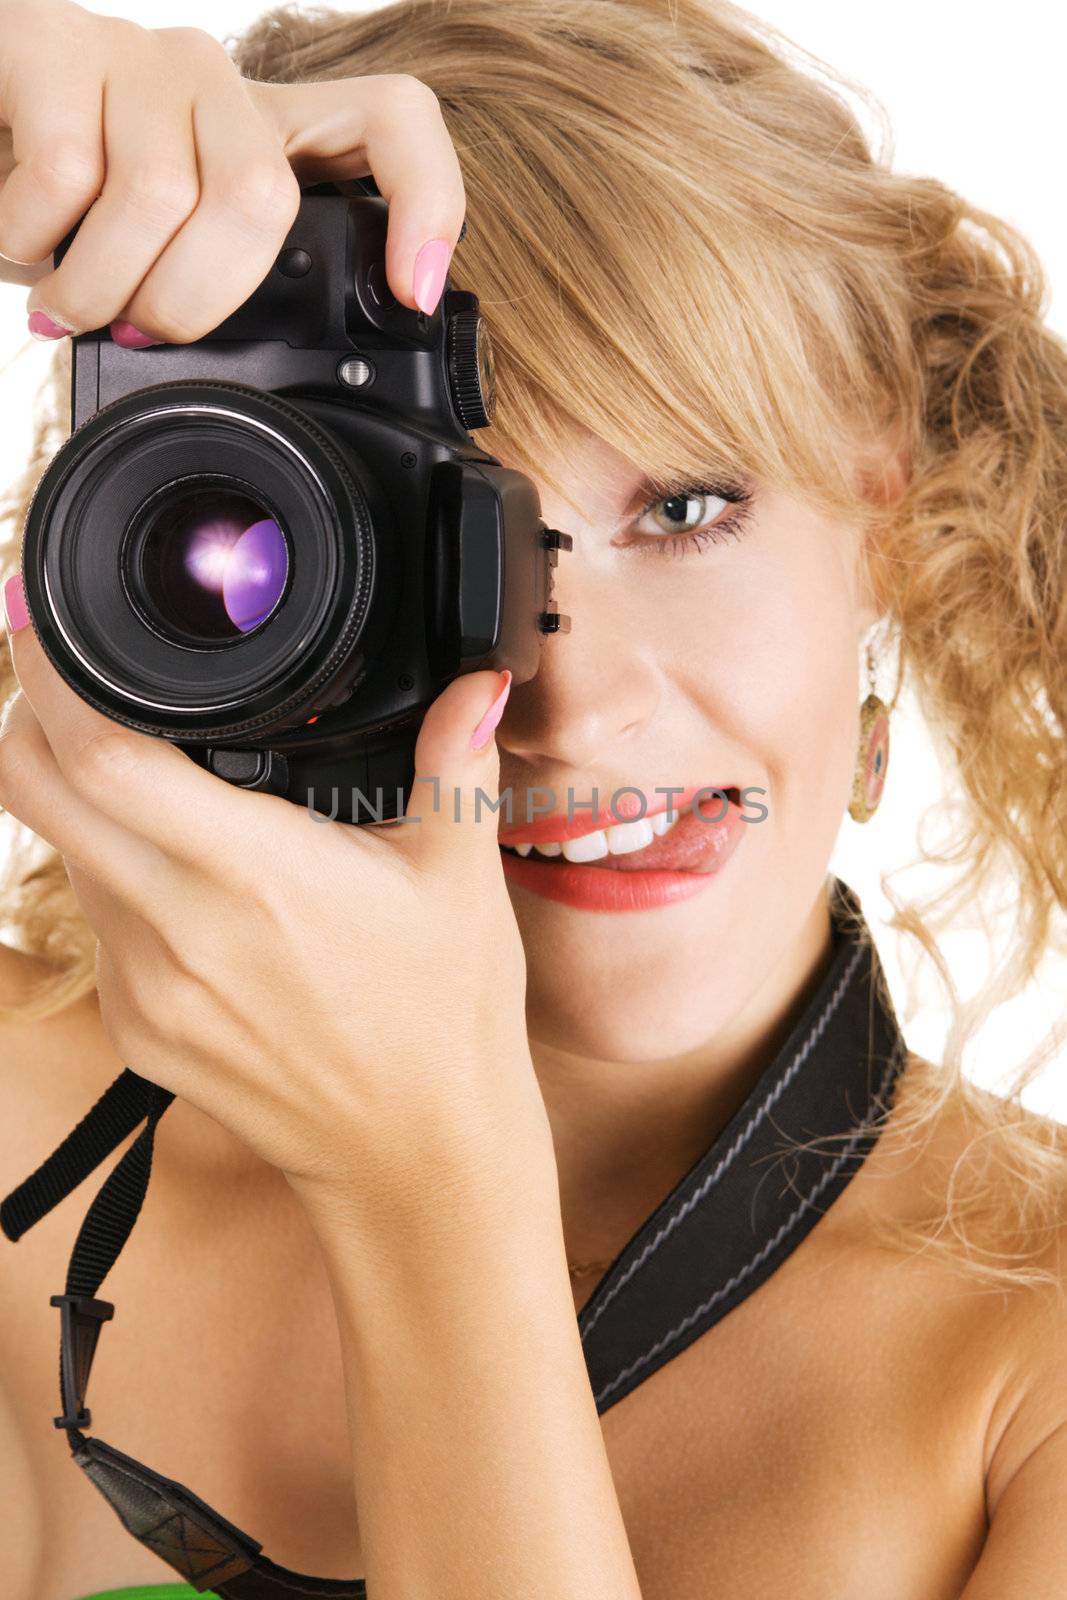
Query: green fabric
x,y
155,1591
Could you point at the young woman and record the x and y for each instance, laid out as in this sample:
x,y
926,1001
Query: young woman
x,y
553,1206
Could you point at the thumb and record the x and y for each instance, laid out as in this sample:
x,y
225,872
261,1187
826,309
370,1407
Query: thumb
x,y
457,765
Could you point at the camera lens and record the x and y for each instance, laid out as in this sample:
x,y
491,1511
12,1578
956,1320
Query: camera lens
x,y
207,563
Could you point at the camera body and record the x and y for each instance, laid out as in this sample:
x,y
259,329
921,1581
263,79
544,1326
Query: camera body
x,y
275,546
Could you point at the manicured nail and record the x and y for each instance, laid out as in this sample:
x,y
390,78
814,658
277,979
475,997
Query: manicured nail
x,y
431,270
482,733
129,337
15,604
42,326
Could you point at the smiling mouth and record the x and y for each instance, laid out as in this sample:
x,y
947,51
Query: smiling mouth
x,y
646,845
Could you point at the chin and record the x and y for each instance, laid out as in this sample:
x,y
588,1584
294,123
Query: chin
x,y
670,1008
624,1036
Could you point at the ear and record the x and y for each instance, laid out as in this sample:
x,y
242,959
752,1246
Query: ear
x,y
882,476
883,471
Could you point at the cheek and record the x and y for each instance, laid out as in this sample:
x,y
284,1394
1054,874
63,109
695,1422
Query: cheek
x,y
777,677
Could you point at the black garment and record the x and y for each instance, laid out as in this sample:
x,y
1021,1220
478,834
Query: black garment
x,y
724,1228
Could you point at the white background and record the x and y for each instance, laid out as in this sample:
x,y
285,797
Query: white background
x,y
975,96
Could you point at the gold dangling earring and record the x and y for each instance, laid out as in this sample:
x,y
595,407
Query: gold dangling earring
x,y
872,761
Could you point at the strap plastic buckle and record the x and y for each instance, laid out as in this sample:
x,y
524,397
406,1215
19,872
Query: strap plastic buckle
x,y
80,1321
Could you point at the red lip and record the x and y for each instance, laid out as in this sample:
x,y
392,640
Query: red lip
x,y
589,888
555,825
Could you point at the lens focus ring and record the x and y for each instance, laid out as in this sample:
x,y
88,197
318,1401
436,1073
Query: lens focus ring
x,y
153,646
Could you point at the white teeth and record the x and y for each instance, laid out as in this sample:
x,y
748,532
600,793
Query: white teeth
x,y
627,836
618,840
588,847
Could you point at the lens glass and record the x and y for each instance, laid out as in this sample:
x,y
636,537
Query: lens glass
x,y
212,562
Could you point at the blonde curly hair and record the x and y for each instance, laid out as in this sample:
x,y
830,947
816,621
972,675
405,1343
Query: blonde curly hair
x,y
816,303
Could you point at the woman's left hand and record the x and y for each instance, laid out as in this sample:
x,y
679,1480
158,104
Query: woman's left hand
x,y
348,1000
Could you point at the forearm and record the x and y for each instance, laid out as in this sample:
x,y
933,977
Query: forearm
x,y
480,1468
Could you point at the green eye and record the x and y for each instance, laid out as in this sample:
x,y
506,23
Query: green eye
x,y
682,512
687,517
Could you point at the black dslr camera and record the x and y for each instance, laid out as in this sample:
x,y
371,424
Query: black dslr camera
x,y
274,547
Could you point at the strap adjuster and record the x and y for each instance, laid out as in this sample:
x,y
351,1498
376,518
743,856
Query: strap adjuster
x,y
80,1322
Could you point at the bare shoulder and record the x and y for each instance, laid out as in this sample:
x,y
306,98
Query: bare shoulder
x,y
19,973
957,1151
31,1098
48,1064
990,1177
26,1042
1018,1190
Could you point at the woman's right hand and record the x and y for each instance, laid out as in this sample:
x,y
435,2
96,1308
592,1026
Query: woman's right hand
x,y
190,174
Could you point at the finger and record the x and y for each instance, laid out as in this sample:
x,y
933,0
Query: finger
x,y
33,789
51,98
143,783
456,785
391,126
249,199
26,275
151,187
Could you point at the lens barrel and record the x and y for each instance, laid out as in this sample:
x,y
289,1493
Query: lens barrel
x,y
201,561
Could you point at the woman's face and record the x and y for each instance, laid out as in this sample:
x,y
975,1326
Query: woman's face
x,y
732,662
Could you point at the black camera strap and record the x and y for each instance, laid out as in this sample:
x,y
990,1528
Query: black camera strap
x,y
720,1233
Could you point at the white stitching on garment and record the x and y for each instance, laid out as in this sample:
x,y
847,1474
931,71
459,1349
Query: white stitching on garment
x,y
739,1143
687,1322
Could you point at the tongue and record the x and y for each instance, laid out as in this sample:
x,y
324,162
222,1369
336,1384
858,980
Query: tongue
x,y
684,845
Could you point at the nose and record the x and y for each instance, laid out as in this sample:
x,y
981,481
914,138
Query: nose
x,y
597,687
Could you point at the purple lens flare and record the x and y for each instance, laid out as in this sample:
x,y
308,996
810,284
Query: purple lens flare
x,y
254,579
215,564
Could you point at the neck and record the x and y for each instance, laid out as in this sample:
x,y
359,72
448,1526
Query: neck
x,y
625,1133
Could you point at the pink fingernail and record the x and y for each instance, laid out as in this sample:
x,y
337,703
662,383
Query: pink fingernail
x,y
129,337
480,736
431,270
15,604
41,326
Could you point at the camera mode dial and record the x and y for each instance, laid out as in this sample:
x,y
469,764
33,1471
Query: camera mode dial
x,y
470,368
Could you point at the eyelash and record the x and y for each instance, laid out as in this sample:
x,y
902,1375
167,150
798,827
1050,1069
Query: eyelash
x,y
731,526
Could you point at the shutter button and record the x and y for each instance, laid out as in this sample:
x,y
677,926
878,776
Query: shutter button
x,y
238,766
250,769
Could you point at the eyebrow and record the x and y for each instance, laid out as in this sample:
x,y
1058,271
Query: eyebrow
x,y
648,490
